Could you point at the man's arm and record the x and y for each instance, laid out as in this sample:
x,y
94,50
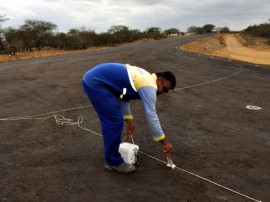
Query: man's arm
x,y
148,96
125,108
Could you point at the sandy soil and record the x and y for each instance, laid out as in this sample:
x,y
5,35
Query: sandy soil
x,y
213,134
229,46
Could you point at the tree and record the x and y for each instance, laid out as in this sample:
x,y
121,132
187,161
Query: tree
x,y
192,29
200,30
104,39
38,31
77,38
136,34
171,31
153,32
208,28
2,19
224,30
196,30
11,37
122,34
87,38
117,29
59,41
73,32
262,30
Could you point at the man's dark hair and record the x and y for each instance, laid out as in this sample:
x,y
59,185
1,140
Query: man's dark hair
x,y
168,76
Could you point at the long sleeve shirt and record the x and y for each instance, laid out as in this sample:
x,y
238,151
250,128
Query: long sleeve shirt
x,y
145,84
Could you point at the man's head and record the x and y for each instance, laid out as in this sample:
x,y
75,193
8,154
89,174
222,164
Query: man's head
x,y
165,81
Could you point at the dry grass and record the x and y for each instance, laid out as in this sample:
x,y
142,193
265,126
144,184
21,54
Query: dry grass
x,y
34,54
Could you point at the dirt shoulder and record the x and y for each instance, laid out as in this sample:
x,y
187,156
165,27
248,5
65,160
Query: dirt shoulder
x,y
230,46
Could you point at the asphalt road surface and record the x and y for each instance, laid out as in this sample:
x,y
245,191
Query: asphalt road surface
x,y
206,118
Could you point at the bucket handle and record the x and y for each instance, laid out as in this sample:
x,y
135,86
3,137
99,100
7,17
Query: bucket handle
x,y
130,137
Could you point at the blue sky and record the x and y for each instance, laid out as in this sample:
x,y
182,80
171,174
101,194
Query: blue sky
x,y
100,15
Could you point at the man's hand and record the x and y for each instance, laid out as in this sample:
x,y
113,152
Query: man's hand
x,y
130,127
167,147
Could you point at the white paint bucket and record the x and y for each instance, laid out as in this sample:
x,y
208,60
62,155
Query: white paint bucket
x,y
129,152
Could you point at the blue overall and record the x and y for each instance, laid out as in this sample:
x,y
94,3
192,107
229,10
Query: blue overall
x,y
103,85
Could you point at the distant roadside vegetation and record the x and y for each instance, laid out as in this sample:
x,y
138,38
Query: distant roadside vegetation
x,y
262,30
37,35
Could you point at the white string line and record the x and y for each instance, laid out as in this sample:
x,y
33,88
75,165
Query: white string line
x,y
53,112
205,179
213,81
60,120
76,108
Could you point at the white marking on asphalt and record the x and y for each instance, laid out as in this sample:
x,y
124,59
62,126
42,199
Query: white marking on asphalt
x,y
251,107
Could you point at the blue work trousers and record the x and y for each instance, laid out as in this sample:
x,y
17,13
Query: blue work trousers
x,y
107,107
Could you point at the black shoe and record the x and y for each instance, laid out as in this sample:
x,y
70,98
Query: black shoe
x,y
123,168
